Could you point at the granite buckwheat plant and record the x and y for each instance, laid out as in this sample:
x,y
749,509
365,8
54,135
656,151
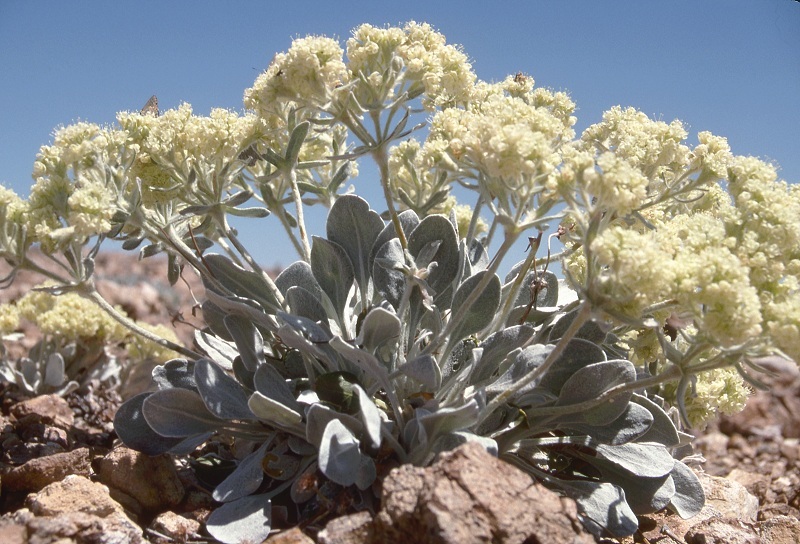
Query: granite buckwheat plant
x,y
393,337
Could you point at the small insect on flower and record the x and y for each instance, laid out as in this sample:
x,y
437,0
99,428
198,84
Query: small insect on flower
x,y
520,78
151,108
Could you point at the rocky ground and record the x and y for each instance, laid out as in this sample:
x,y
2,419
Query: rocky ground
x,y
65,478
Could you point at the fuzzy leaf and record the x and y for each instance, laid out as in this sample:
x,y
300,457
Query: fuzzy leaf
x,y
408,222
495,349
355,227
333,271
175,373
248,340
305,304
642,460
220,351
602,508
380,328
241,282
248,519
318,417
243,481
54,371
179,413
436,228
298,274
221,393
631,425
663,430
339,455
482,312
591,330
270,410
689,496
389,281
370,416
578,354
425,370
270,383
133,430
592,380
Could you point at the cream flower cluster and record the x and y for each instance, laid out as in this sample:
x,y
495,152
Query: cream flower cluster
x,y
68,317
719,391
74,195
306,75
442,71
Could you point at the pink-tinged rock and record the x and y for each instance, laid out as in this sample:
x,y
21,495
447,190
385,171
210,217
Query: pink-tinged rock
x,y
292,536
175,527
152,481
39,472
469,495
46,408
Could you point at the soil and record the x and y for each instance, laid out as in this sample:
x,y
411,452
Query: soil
x,y
759,447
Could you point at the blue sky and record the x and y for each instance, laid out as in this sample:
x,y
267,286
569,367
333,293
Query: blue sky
x,y
728,66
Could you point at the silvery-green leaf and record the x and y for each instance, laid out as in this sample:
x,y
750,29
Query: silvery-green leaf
x,y
355,227
272,411
496,348
132,428
642,460
241,282
296,140
339,454
689,496
305,304
389,281
366,472
432,229
662,430
317,418
221,393
477,257
547,296
312,331
591,330
380,328
370,416
189,444
578,354
245,480
602,508
333,271
451,441
448,420
592,380
54,370
248,340
298,274
270,383
248,519
408,222
243,375
425,370
631,425
363,360
179,413
220,351
525,361
482,311
175,373
214,317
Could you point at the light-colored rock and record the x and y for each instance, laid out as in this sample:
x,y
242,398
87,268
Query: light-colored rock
x,y
77,510
469,495
37,473
727,498
152,481
780,530
352,529
175,527
292,536
722,531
